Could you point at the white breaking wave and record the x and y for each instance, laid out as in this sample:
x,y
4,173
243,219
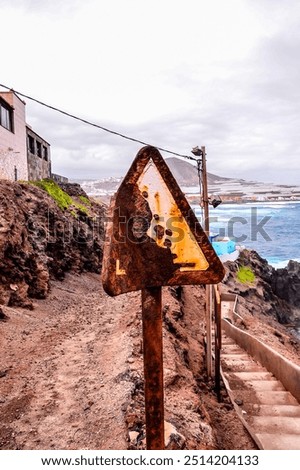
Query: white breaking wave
x,y
277,264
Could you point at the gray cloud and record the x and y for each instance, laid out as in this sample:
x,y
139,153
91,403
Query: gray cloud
x,y
246,113
53,7
241,137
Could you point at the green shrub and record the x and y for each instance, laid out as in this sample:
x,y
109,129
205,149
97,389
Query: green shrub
x,y
62,199
245,275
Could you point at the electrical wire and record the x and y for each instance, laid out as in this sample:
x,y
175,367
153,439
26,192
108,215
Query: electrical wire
x,y
123,136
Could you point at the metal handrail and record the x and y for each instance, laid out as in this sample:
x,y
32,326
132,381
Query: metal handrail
x,y
234,310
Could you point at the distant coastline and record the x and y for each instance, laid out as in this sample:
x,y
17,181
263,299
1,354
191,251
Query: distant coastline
x,y
194,199
235,192
231,191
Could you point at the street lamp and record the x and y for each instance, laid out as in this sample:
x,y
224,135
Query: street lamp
x,y
201,165
215,201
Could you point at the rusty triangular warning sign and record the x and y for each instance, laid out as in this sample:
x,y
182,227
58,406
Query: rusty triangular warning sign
x,y
153,237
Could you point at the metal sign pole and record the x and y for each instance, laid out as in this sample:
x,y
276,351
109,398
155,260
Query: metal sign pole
x,y
153,367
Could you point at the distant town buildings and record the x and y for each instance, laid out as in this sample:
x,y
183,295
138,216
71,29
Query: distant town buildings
x,y
24,155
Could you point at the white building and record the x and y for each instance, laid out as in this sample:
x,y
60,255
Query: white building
x,y
23,153
13,147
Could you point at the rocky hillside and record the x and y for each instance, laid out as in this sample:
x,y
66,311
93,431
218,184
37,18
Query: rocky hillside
x,y
264,290
286,283
45,231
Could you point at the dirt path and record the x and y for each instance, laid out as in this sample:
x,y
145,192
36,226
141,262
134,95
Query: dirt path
x,y
59,367
71,373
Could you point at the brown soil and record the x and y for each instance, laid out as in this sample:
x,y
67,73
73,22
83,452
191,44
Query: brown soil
x,y
71,373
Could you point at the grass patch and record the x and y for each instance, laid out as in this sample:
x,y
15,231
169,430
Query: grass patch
x,y
245,275
85,200
62,199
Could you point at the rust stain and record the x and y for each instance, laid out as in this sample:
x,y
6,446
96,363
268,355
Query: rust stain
x,y
157,203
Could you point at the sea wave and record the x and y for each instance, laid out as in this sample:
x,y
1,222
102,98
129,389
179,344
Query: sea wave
x,y
271,204
279,264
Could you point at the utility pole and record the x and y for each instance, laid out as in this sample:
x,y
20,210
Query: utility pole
x,y
208,286
204,204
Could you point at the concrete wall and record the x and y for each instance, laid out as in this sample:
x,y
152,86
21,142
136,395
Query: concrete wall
x,y
59,178
38,154
13,152
284,370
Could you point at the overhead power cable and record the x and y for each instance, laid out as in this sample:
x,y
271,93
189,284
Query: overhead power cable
x,y
123,136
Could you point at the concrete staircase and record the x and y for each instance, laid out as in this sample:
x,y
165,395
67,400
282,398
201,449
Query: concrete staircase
x,y
270,413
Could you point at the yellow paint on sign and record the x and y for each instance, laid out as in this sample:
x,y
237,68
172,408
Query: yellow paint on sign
x,y
119,271
168,227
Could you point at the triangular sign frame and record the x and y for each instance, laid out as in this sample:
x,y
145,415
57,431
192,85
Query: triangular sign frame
x,y
153,237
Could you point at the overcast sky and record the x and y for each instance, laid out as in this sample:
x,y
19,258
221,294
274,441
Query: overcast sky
x,y
176,74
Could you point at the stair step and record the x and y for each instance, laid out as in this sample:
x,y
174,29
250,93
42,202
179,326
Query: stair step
x,y
260,375
279,442
250,398
278,410
241,366
235,356
228,342
265,385
232,346
230,350
276,398
275,424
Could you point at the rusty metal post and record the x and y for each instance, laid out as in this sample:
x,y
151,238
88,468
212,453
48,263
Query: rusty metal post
x,y
218,342
208,321
153,367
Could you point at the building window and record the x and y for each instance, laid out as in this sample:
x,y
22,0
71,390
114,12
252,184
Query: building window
x,y
45,153
6,116
31,144
39,149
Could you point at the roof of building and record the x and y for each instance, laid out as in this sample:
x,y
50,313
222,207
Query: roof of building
x,y
35,133
11,92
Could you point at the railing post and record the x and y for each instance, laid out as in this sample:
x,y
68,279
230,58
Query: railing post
x,y
218,341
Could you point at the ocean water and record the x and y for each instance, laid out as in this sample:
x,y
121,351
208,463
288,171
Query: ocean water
x,y
271,229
